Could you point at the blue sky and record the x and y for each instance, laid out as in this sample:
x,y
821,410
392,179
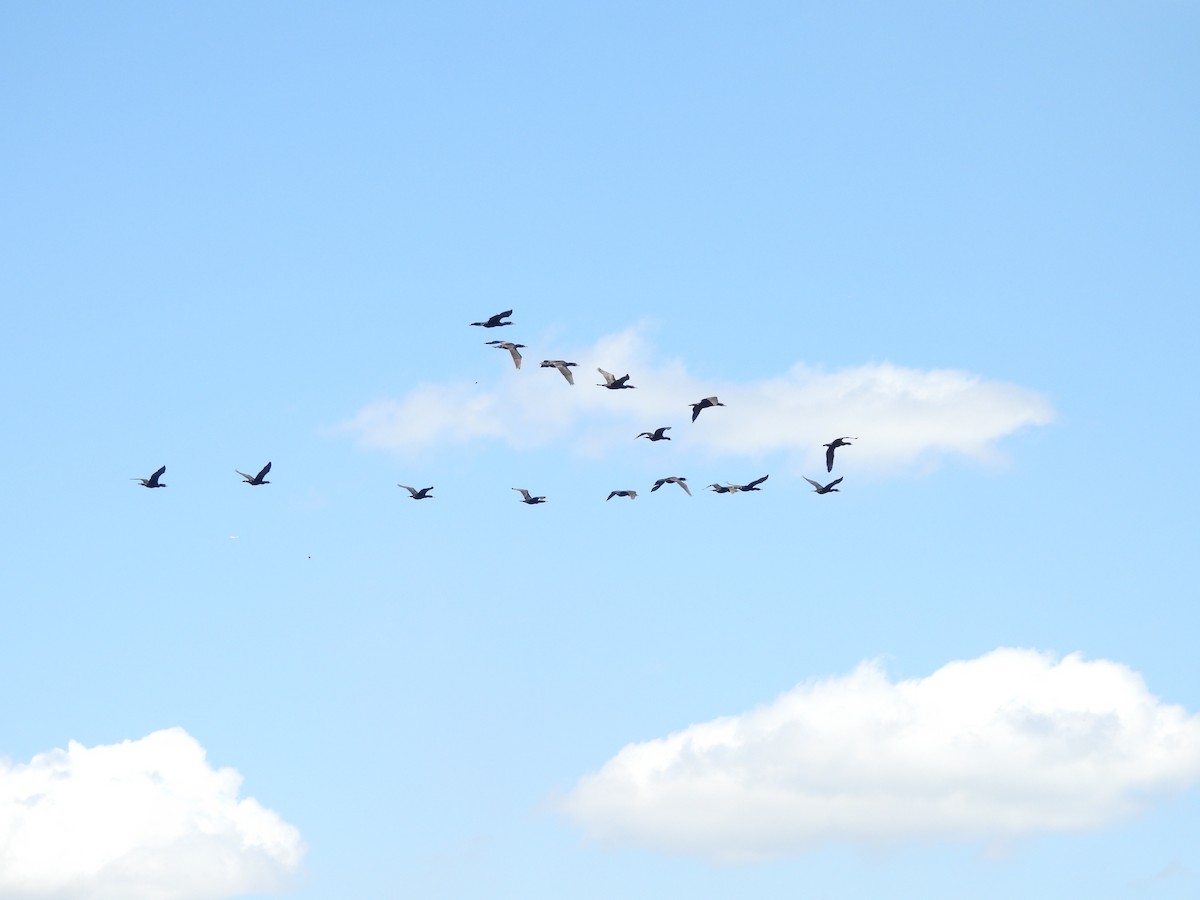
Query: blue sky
x,y
962,233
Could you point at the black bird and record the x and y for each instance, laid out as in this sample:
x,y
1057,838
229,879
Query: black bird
x,y
840,442
256,479
494,321
613,383
674,479
824,488
657,435
632,495
422,494
152,481
704,404
530,500
511,348
561,365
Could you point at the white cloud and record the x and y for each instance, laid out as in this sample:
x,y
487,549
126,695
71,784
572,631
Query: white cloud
x,y
900,414
137,820
995,748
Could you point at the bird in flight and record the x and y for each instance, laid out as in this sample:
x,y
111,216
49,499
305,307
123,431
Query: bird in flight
x,y
833,445
422,494
494,321
674,479
511,348
824,488
632,495
532,501
704,404
724,488
613,383
561,365
657,434
152,481
752,486
255,479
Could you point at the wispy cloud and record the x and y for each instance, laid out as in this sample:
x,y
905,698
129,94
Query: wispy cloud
x,y
995,748
142,819
901,414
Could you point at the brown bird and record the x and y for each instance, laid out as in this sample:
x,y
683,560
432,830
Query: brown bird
x,y
824,488
494,321
511,348
561,365
256,479
704,404
152,481
840,442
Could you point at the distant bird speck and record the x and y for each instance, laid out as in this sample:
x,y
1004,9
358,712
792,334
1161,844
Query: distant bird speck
x,y
422,494
528,499
833,445
561,365
656,435
824,488
632,495
152,481
704,404
494,321
673,479
255,479
613,383
511,348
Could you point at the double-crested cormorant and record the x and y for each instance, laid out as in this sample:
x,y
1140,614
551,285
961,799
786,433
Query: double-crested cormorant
x,y
704,404
530,500
561,365
511,348
152,481
632,495
657,434
674,479
494,321
823,488
833,445
613,383
422,494
255,479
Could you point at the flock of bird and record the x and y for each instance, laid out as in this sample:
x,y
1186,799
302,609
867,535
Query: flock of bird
x,y
612,383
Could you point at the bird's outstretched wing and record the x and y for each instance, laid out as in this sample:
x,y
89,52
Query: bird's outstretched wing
x,y
755,483
262,474
609,377
815,484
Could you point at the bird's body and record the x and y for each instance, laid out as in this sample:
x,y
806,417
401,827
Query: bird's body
x,y
833,445
511,348
704,404
494,321
422,494
724,488
656,435
255,479
736,488
613,383
528,499
152,481
823,488
632,495
673,479
561,365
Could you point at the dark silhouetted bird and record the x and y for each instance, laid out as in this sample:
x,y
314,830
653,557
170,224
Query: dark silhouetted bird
x,y
704,404
657,434
561,365
152,481
674,479
422,494
255,479
511,348
530,500
840,442
494,321
823,488
632,495
613,383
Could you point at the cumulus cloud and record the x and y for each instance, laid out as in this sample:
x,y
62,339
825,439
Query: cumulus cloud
x,y
142,819
900,413
995,748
